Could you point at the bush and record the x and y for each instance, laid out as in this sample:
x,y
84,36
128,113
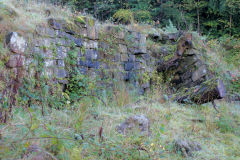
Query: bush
x,y
142,16
124,16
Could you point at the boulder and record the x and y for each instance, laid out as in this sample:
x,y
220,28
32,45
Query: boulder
x,y
15,61
203,93
55,24
137,122
16,42
186,147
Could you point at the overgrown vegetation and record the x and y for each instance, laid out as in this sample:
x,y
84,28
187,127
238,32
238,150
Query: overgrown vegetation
x,y
43,120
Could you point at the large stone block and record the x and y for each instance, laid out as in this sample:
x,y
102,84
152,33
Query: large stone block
x,y
16,42
61,73
91,54
61,52
60,63
16,61
128,66
89,64
78,42
49,63
123,49
124,57
199,73
90,44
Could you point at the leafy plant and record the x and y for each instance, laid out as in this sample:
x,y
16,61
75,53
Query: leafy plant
x,y
124,16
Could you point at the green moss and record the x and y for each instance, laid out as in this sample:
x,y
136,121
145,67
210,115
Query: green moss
x,y
6,11
80,19
91,22
168,57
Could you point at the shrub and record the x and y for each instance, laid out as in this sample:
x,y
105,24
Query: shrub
x,y
170,28
142,16
124,16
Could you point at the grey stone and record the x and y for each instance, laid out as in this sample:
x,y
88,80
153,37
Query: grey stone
x,y
16,61
122,49
164,51
155,37
90,44
138,66
69,37
61,42
89,64
54,24
45,42
136,122
104,46
129,66
132,58
50,32
186,147
16,43
61,52
49,63
91,54
117,57
61,73
124,57
60,33
63,81
78,42
60,63
47,53
199,73
29,61
137,51
146,57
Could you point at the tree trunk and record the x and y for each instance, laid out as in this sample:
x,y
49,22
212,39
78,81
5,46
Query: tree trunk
x,y
198,17
230,33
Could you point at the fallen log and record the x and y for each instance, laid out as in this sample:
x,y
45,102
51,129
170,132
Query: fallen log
x,y
203,93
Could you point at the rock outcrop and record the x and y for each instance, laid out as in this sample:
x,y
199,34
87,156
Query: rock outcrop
x,y
189,75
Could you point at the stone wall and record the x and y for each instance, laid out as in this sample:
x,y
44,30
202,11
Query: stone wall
x,y
107,51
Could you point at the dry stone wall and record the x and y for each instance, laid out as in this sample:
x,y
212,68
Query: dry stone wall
x,y
107,51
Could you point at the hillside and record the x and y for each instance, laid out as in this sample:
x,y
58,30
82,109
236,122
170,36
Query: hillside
x,y
72,87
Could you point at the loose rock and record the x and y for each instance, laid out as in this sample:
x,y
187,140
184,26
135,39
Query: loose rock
x,y
16,43
139,122
187,147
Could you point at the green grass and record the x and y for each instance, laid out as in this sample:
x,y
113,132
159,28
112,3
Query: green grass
x,y
59,132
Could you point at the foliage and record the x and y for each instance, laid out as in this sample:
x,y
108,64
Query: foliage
x,y
123,16
142,16
170,28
